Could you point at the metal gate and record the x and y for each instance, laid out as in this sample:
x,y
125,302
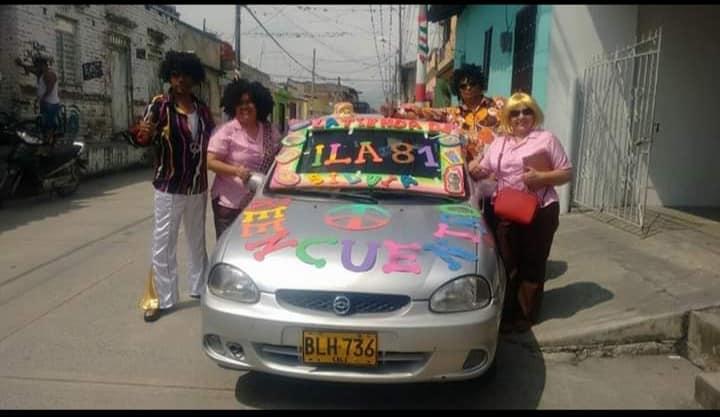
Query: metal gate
x,y
618,125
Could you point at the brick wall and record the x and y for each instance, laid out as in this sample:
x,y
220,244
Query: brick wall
x,y
24,24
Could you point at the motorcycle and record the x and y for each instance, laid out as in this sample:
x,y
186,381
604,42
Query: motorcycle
x,y
27,163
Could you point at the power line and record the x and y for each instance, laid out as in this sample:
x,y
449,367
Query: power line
x,y
377,51
300,35
280,46
323,43
304,77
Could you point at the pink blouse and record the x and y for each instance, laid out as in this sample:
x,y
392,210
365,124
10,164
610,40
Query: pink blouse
x,y
231,144
509,174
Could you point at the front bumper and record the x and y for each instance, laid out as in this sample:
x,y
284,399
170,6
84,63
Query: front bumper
x,y
414,344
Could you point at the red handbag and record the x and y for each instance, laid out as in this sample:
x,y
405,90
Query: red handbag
x,y
514,205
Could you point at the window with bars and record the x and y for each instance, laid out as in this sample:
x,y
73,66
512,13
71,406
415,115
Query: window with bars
x,y
486,55
524,50
67,52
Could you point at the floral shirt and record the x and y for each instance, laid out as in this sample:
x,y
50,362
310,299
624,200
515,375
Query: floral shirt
x,y
181,157
480,124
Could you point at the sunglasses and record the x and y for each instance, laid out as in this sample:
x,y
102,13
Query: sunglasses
x,y
467,85
516,113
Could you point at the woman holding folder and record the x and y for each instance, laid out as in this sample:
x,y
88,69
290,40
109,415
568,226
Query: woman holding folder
x,y
530,159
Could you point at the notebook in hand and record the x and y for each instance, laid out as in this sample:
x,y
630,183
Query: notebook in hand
x,y
539,161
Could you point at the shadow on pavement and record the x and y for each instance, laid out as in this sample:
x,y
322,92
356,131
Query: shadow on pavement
x,y
519,384
566,301
18,212
555,269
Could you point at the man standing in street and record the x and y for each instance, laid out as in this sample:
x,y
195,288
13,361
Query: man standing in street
x,y
47,92
179,125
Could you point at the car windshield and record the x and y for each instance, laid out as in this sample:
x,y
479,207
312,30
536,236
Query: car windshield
x,y
375,162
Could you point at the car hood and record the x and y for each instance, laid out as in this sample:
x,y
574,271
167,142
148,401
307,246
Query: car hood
x,y
331,229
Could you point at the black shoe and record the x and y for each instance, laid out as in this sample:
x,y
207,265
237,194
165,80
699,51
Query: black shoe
x,y
152,315
195,296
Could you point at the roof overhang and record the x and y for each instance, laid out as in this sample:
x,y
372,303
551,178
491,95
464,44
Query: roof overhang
x,y
439,12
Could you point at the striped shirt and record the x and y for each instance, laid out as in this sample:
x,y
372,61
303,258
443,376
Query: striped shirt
x,y
181,157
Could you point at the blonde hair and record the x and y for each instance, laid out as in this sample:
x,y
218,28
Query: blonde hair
x,y
516,101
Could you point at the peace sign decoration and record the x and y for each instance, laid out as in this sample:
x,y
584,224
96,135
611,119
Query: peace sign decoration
x,y
357,217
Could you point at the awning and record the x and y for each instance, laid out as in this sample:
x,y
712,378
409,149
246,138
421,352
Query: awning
x,y
438,12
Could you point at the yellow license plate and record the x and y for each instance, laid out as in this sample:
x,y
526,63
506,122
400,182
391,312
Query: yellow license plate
x,y
355,349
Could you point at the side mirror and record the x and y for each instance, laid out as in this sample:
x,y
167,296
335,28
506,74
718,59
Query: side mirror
x,y
256,181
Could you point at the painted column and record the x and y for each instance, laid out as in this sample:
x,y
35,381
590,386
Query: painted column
x,y
421,56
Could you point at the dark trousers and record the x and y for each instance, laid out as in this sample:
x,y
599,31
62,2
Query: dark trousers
x,y
524,250
223,217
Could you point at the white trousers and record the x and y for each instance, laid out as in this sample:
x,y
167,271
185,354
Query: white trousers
x,y
170,209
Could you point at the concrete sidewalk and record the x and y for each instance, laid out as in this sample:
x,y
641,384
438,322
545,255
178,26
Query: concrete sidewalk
x,y
609,287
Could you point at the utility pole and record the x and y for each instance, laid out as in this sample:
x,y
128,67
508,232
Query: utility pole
x,y
401,89
237,36
312,88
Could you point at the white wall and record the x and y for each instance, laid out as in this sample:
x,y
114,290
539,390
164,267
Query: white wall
x,y
686,152
578,33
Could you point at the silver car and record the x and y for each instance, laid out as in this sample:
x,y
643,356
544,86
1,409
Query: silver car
x,y
360,259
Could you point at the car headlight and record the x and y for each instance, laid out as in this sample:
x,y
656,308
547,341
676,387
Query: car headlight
x,y
231,283
466,293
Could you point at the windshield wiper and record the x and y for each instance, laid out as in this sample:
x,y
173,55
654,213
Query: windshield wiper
x,y
380,192
355,196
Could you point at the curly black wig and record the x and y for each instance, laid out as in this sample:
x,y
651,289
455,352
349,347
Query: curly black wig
x,y
182,62
259,95
471,72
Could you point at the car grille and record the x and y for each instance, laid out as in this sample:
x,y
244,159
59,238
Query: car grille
x,y
360,303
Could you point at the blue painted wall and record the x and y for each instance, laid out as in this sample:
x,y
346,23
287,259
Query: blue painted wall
x,y
469,47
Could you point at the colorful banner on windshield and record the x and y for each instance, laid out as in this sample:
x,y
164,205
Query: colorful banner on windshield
x,y
366,152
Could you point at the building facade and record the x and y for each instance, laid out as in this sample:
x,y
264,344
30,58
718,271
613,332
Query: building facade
x,y
617,88
106,58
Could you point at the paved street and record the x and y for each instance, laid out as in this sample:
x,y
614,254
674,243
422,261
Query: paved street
x,y
71,334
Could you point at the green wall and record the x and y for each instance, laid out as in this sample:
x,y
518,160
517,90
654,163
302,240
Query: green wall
x,y
469,47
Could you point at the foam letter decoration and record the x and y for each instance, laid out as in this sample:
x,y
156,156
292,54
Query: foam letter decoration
x,y
367,147
369,261
287,177
264,214
386,123
315,179
461,221
352,178
252,229
459,210
443,231
318,155
442,249
407,181
333,179
453,180
331,122
333,156
288,155
413,124
271,244
372,180
387,181
301,251
401,261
